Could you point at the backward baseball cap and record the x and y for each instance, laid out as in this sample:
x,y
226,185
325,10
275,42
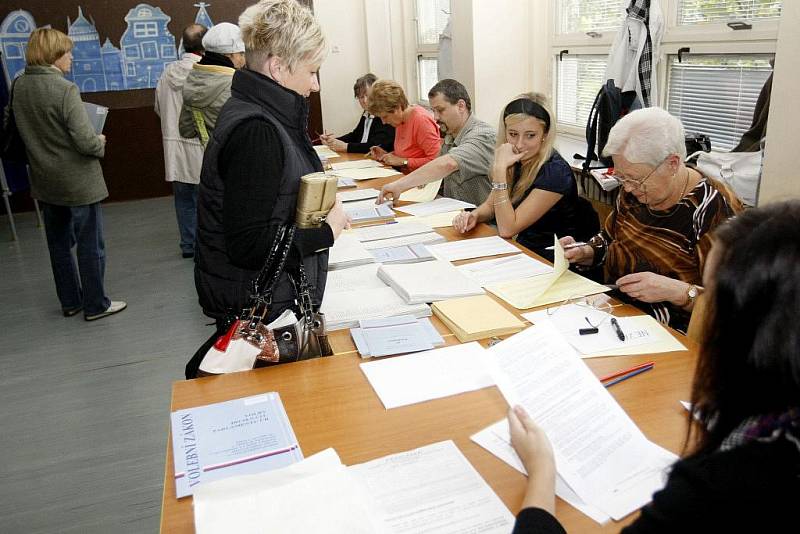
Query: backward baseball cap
x,y
223,38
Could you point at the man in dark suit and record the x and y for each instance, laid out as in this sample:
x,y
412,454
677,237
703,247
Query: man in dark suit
x,y
369,132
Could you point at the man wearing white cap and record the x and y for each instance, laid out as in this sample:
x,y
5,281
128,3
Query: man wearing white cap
x,y
183,158
208,85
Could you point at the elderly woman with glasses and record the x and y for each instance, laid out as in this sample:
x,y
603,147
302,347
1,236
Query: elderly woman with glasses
x,y
656,240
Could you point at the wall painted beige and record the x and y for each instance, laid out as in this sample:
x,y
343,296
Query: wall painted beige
x,y
343,22
781,174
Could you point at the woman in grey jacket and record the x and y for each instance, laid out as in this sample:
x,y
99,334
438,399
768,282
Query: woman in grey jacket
x,y
64,150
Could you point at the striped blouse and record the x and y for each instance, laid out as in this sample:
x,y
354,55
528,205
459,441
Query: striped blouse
x,y
673,243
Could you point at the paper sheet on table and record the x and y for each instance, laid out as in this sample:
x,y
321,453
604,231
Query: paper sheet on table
x,y
432,489
601,454
395,335
517,267
347,250
433,207
496,440
360,277
542,290
425,193
528,293
437,220
359,194
343,309
324,151
315,495
663,341
364,163
477,247
385,231
428,375
367,174
569,318
399,241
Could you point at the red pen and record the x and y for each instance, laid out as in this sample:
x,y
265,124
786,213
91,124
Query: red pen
x,y
626,371
626,376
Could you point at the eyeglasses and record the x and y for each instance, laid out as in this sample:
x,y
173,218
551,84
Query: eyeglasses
x,y
635,185
596,309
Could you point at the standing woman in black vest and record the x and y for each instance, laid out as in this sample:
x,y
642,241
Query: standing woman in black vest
x,y
253,164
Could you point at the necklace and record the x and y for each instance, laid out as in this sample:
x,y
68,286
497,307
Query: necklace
x,y
674,208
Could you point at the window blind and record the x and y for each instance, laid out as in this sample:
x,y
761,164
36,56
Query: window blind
x,y
579,79
716,94
691,12
581,16
432,17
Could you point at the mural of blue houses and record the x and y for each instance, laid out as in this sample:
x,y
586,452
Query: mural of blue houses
x,y
202,17
14,32
112,66
87,62
146,46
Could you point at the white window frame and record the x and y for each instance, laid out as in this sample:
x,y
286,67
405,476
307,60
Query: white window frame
x,y
714,38
421,51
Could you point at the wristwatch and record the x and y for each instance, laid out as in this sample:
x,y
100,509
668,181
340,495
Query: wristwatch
x,y
499,186
692,293
404,163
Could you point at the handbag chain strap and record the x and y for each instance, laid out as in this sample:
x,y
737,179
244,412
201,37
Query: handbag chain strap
x,y
264,284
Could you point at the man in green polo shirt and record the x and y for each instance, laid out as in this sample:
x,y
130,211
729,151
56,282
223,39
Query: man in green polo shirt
x,y
466,154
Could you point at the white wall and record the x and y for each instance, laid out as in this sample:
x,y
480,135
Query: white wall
x,y
781,174
344,23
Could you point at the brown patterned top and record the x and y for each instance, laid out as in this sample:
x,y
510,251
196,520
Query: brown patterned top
x,y
673,242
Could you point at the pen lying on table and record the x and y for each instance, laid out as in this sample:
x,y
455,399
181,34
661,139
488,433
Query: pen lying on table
x,y
567,247
619,376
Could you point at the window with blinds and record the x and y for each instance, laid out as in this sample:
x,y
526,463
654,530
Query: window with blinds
x,y
579,79
432,17
692,12
581,16
716,94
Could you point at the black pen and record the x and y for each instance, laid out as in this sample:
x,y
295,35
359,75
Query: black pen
x,y
617,329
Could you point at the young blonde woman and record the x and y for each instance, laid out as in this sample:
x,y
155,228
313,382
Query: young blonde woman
x,y
534,193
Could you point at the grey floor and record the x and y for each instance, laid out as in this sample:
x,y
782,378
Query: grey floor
x,y
84,407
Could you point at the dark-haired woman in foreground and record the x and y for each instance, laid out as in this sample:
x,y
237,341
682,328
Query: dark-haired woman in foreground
x,y
743,471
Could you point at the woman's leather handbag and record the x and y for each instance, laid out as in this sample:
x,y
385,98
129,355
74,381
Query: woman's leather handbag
x,y
250,343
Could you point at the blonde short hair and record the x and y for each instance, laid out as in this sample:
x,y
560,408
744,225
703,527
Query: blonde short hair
x,y
281,28
385,96
46,46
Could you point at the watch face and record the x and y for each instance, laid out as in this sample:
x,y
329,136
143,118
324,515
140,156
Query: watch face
x,y
693,292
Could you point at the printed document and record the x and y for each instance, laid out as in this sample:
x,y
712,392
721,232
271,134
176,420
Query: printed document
x,y
432,489
497,440
366,174
600,453
360,277
437,220
324,151
343,309
428,281
517,267
395,335
433,207
403,240
428,375
347,251
404,254
465,249
385,231
359,194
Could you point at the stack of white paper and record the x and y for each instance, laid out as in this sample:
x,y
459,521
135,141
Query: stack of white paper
x,y
324,151
365,163
441,204
364,212
357,277
428,281
385,231
515,267
432,489
414,253
428,375
395,335
600,453
426,238
345,183
344,309
473,248
348,251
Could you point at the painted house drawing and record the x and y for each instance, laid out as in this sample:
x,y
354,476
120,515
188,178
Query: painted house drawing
x,y
202,17
112,66
14,32
88,71
146,46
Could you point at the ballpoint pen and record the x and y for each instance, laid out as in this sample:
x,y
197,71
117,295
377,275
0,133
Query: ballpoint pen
x,y
627,376
622,372
567,247
617,329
